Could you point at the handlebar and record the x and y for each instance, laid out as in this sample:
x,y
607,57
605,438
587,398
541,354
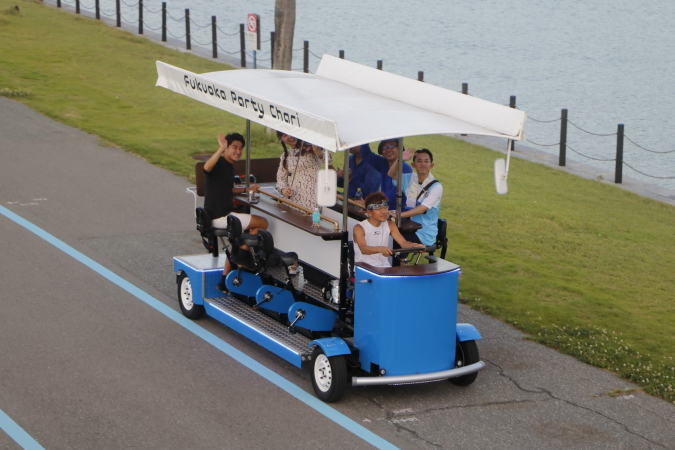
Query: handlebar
x,y
428,249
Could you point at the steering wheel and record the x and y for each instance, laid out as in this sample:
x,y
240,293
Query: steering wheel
x,y
398,252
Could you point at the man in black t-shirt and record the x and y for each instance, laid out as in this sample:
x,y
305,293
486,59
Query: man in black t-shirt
x,y
219,190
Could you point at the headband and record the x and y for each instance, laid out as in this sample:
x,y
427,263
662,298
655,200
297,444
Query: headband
x,y
378,205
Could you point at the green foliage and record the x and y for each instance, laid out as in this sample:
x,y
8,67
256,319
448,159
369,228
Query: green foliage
x,y
557,249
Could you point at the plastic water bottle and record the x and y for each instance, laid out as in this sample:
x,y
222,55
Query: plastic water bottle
x,y
300,279
359,195
316,217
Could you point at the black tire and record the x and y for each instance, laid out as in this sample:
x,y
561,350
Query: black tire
x,y
329,376
190,310
466,354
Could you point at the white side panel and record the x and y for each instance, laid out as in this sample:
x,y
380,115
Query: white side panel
x,y
324,255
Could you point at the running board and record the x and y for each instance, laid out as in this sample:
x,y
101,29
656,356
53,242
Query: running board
x,y
259,328
419,378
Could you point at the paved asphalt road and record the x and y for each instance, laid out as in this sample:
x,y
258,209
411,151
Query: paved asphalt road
x,y
86,365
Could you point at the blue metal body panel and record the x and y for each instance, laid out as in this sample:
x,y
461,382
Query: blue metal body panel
x,y
316,318
467,332
281,300
198,279
263,340
332,346
406,325
250,283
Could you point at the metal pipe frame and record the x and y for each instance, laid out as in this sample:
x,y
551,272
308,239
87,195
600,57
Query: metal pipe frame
x,y
419,378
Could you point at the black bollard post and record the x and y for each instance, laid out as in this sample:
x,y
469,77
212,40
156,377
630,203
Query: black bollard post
x,y
188,39
140,16
465,88
305,57
379,64
563,138
242,43
163,21
58,3
98,10
342,54
618,174
119,13
512,102
420,76
272,37
77,6
214,36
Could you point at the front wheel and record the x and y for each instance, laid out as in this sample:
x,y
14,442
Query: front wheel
x,y
189,308
329,376
466,354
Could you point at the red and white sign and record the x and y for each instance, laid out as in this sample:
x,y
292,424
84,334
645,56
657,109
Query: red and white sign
x,y
253,32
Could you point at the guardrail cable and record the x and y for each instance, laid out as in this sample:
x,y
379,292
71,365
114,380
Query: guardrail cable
x,y
130,6
316,56
173,35
150,28
646,149
227,34
541,121
647,175
229,53
177,20
150,10
543,145
589,132
127,20
208,25
203,44
590,157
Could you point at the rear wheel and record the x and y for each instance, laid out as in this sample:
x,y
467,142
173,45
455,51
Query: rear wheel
x,y
329,376
189,308
466,354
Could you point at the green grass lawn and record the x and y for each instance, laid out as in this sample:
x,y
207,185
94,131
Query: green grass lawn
x,y
580,266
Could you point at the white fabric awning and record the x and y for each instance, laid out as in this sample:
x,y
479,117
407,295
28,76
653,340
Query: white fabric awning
x,y
345,104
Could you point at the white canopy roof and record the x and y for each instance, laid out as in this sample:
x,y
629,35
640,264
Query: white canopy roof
x,y
345,104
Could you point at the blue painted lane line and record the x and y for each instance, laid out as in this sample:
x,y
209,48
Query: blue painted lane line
x,y
221,345
17,433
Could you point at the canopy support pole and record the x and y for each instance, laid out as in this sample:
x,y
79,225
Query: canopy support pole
x,y
248,153
399,181
345,194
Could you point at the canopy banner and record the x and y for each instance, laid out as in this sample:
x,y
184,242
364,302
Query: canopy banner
x,y
302,125
502,119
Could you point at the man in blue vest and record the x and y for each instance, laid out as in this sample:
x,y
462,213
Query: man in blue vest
x,y
423,195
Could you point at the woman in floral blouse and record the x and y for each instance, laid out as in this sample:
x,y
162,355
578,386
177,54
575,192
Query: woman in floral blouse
x,y
298,166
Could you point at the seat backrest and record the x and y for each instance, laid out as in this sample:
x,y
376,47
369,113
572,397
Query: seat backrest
x,y
233,227
203,220
266,242
442,230
199,178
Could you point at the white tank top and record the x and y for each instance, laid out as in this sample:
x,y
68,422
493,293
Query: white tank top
x,y
375,237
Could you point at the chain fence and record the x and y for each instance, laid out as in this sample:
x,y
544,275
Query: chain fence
x,y
562,144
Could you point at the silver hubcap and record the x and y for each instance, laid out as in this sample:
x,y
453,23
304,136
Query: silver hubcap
x,y
322,373
186,294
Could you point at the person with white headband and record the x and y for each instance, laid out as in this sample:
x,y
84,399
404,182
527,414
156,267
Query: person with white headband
x,y
372,235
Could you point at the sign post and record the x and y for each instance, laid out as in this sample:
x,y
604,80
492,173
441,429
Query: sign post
x,y
253,34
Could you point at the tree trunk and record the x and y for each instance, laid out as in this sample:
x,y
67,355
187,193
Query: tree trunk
x,y
284,27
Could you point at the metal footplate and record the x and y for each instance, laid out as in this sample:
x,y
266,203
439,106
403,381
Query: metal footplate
x,y
260,328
